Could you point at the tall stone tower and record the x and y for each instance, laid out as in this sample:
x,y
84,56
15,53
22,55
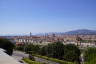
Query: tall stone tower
x,y
30,34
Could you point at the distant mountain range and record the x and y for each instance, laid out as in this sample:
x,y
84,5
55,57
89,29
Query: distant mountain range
x,y
81,32
74,32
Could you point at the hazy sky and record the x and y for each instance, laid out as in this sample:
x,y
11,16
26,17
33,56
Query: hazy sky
x,y
37,16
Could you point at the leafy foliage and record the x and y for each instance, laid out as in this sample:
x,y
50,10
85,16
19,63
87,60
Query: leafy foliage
x,y
7,45
55,50
71,53
20,48
43,50
31,57
30,48
54,59
90,56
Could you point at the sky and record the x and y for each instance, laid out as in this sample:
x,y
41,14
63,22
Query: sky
x,y
43,16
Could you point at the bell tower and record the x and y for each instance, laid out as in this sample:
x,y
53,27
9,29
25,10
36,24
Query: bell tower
x,y
30,34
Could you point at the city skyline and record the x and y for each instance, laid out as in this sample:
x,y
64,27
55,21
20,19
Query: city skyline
x,y
41,16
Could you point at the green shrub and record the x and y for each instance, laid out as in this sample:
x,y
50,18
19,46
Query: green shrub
x,y
43,50
6,45
90,56
55,60
30,48
31,57
71,53
55,50
20,48
60,51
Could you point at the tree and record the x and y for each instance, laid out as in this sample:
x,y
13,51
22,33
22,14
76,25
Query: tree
x,y
31,57
43,50
55,50
6,45
20,48
30,48
71,53
90,55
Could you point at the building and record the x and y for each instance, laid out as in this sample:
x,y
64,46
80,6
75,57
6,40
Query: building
x,y
89,40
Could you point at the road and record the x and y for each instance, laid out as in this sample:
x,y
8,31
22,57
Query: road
x,y
18,55
44,61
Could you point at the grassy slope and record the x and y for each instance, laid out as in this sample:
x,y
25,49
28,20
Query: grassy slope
x,y
31,62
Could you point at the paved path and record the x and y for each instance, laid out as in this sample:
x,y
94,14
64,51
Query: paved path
x,y
18,55
82,58
45,61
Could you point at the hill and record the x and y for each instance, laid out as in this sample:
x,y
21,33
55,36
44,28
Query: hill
x,y
81,32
